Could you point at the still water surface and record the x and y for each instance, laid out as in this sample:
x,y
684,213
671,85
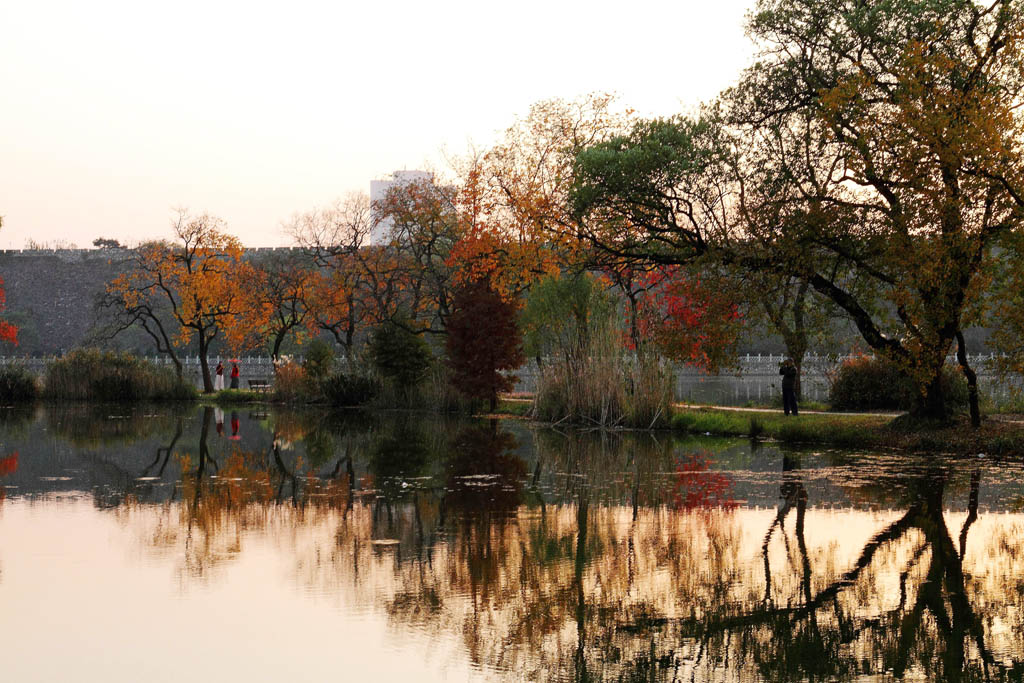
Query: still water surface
x,y
150,545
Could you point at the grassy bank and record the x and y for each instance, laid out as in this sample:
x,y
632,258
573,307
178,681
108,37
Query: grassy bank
x,y
995,437
902,432
227,396
839,430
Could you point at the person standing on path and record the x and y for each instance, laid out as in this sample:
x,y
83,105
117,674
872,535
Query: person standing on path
x,y
218,382
234,375
788,371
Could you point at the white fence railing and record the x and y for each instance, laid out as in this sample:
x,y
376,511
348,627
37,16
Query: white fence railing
x,y
812,362
755,376
249,367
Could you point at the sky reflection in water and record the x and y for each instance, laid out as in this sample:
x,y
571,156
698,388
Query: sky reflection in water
x,y
151,545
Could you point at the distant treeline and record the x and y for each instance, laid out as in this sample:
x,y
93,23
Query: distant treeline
x,y
52,295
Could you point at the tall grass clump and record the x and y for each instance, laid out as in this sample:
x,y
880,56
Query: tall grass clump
x,y
598,384
292,382
438,393
17,384
346,390
93,375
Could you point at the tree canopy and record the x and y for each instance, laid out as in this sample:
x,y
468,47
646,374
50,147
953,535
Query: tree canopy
x,y
873,151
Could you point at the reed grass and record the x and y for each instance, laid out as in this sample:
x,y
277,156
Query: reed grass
x,y
93,375
597,384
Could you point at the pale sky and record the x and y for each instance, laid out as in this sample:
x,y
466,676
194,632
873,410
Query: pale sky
x,y
114,112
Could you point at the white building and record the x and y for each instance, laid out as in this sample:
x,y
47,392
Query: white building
x,y
379,190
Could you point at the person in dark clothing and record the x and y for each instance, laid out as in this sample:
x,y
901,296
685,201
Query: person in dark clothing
x,y
788,371
234,376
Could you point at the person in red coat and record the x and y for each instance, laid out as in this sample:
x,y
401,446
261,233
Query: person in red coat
x,y
234,375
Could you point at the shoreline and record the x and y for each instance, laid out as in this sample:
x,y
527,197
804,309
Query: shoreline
x,y
884,431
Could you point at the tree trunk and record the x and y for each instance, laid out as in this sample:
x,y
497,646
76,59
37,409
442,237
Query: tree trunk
x,y
177,366
204,364
349,344
162,341
798,362
278,340
634,328
972,380
932,403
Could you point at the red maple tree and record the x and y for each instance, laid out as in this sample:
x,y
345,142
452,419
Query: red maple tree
x,y
687,320
483,340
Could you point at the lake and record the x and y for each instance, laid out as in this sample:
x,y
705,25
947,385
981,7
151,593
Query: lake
x,y
160,544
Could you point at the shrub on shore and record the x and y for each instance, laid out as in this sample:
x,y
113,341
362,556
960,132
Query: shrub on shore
x,y
93,375
400,356
293,384
319,360
867,383
17,384
341,389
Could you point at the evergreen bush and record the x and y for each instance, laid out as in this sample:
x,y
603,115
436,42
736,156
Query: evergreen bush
x,y
319,359
400,355
17,384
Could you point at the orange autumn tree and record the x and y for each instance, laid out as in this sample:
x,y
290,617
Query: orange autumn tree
x,y
282,287
199,287
514,211
356,285
486,249
423,228
873,151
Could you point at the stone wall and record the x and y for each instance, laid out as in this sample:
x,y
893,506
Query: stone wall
x,y
52,294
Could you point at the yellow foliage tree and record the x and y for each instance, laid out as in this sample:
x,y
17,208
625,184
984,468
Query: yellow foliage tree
x,y
201,283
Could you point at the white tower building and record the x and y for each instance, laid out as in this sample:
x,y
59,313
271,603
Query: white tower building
x,y
379,190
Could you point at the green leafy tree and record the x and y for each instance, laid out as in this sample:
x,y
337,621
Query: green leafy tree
x,y
559,315
319,359
400,355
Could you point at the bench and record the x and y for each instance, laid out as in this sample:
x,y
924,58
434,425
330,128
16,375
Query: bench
x,y
260,385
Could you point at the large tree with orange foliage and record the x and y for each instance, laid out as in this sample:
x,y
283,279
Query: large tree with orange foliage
x,y
515,220
424,228
357,285
282,286
198,288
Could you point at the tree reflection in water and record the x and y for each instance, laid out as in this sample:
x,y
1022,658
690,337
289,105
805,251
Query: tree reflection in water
x,y
613,557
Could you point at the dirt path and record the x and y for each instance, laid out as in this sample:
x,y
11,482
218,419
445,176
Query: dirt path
x,y
695,406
